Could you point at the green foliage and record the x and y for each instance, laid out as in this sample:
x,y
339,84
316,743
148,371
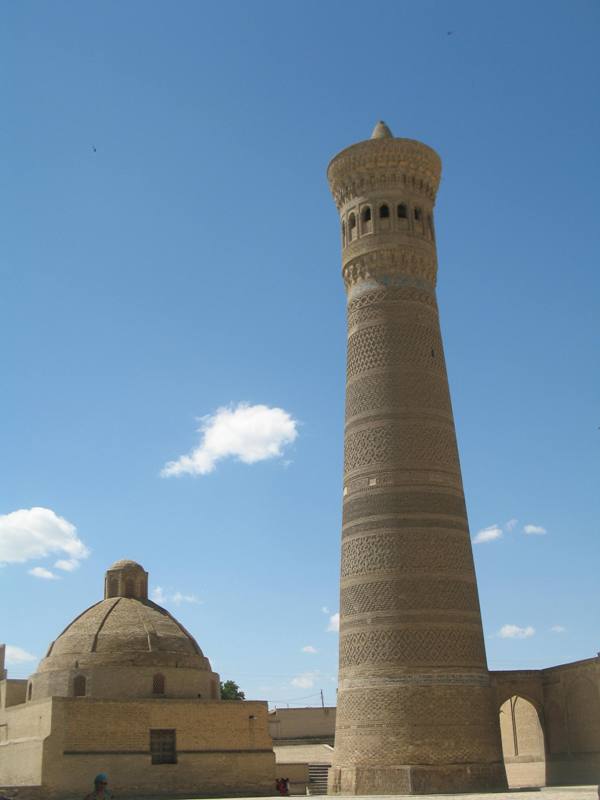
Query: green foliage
x,y
231,691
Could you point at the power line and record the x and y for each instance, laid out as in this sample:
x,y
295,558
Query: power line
x,y
295,699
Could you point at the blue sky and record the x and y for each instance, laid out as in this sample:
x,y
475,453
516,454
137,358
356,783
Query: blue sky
x,y
170,249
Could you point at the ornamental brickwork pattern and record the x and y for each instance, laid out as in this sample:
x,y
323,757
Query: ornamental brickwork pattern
x,y
394,346
408,594
413,550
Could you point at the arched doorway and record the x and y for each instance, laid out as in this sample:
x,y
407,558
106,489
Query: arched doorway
x,y
522,743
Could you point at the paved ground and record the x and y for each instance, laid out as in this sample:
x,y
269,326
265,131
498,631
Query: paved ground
x,y
553,793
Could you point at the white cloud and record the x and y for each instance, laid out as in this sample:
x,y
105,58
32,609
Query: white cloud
x,y
515,632
66,564
158,595
325,610
510,525
248,433
178,598
309,649
334,623
488,534
42,572
304,681
558,629
535,529
34,533
16,655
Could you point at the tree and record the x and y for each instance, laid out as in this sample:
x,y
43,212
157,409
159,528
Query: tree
x,y
231,691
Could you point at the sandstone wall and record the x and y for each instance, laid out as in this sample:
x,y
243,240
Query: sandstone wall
x,y
223,748
23,730
303,723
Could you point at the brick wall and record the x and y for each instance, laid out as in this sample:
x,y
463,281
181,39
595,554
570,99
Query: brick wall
x,y
222,747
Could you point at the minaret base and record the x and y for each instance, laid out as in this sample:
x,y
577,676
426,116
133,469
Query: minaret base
x,y
417,779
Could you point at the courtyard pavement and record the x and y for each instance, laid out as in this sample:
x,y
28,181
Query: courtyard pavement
x,y
546,793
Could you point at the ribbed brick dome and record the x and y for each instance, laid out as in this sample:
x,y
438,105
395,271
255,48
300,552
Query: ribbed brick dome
x,y
124,628
125,646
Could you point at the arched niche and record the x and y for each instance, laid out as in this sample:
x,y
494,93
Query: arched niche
x,y
523,744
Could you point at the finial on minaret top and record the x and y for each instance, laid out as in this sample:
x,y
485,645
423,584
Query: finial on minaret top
x,y
381,131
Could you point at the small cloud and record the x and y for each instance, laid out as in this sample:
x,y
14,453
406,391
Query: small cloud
x,y
16,655
558,629
334,623
33,533
304,681
515,632
247,433
325,610
42,572
178,598
160,596
510,525
309,649
66,564
488,534
535,529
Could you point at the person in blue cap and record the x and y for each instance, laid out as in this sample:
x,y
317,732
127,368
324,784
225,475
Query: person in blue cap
x,y
100,788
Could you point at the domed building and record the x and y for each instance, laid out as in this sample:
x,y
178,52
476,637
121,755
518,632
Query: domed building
x,y
125,646
125,689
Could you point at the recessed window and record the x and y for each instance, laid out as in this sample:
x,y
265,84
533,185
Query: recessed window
x,y
158,684
352,222
417,213
29,691
366,214
79,686
401,211
384,211
163,747
343,233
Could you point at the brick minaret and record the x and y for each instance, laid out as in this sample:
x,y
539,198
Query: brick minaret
x,y
415,712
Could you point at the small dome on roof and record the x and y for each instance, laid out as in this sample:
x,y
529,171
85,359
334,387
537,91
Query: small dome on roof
x,y
381,131
125,563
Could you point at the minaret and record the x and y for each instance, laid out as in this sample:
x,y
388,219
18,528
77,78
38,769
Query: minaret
x,y
415,713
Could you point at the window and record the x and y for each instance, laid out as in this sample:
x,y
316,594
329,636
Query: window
x,y
417,213
366,214
162,747
158,684
384,211
343,233
401,211
79,686
351,223
29,691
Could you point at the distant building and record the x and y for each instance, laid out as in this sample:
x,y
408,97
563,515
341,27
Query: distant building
x,y
126,690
